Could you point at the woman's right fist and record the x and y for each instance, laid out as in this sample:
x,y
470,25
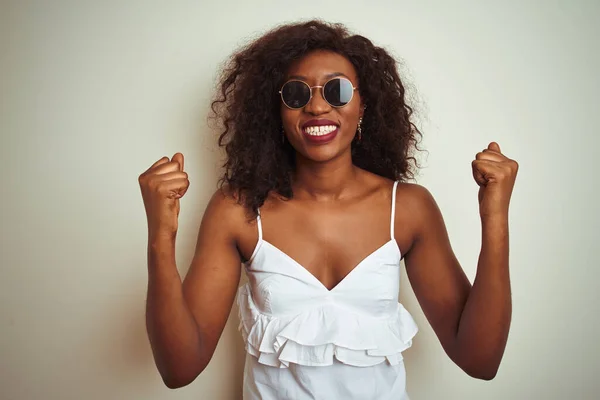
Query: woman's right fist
x,y
162,185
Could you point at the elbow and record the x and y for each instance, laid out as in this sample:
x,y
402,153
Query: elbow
x,y
482,374
483,371
179,379
479,366
176,383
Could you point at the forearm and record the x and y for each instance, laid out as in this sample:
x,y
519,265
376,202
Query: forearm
x,y
172,330
485,320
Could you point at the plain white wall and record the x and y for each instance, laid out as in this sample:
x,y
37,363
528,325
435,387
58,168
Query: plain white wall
x,y
91,93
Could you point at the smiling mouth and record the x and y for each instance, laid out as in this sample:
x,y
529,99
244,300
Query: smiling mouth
x,y
320,134
319,130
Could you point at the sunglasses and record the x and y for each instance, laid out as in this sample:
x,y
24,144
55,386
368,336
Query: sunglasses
x,y
337,92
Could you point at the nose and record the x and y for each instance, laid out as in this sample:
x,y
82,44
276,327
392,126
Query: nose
x,y
317,104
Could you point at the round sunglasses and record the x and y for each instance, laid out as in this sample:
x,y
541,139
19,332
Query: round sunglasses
x,y
337,92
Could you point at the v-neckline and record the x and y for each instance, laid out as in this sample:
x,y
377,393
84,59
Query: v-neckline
x,y
314,278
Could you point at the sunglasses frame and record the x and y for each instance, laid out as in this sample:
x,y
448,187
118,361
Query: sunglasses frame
x,y
310,88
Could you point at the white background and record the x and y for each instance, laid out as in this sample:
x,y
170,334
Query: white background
x,y
92,93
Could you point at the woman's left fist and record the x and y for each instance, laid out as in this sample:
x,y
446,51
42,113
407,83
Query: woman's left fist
x,y
495,174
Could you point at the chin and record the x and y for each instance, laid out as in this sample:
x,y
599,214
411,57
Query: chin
x,y
322,154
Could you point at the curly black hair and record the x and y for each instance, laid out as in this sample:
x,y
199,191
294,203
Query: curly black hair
x,y
247,105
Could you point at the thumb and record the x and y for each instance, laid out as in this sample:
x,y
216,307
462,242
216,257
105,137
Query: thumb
x,y
178,157
495,147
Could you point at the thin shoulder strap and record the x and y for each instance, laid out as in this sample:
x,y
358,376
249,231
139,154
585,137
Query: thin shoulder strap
x,y
259,241
393,209
259,224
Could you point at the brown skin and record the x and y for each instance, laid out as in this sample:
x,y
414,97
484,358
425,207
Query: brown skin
x,y
339,214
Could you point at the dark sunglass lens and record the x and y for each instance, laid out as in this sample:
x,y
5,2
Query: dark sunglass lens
x,y
295,94
338,92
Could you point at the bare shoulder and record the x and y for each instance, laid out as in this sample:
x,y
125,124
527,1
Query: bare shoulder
x,y
228,218
226,208
417,212
411,196
417,197
225,199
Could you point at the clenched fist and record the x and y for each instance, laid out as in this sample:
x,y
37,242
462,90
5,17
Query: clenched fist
x,y
495,174
162,185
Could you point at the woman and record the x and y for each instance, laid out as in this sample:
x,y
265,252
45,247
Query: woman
x,y
314,202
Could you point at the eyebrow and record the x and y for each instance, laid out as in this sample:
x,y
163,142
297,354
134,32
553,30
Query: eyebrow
x,y
328,76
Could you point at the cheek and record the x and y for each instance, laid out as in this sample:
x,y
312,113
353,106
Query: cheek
x,y
351,114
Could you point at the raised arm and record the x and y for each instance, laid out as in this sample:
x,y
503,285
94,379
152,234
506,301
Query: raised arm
x,y
185,319
471,322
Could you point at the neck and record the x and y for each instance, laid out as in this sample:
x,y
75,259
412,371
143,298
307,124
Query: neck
x,y
323,181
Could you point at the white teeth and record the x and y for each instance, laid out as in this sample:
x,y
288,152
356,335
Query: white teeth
x,y
319,130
